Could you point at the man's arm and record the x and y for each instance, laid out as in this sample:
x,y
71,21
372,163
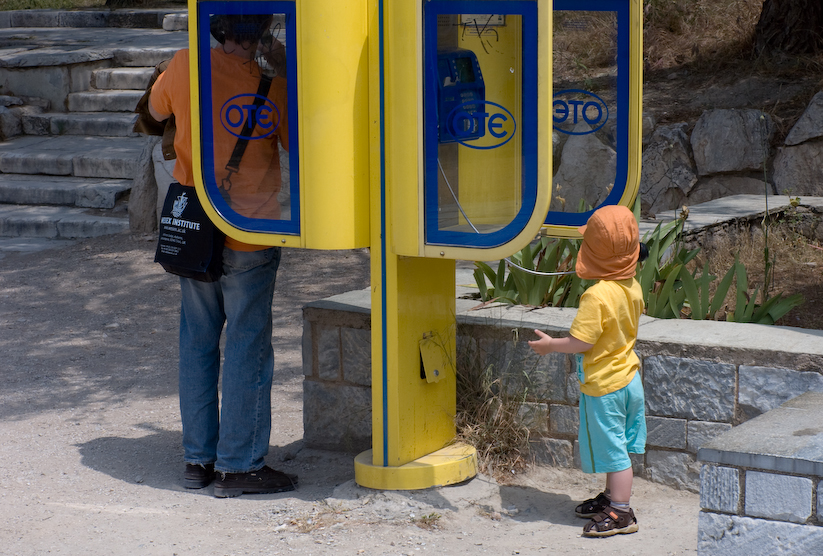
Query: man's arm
x,y
155,114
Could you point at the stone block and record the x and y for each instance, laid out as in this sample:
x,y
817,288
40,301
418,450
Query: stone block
x,y
810,124
820,501
689,388
308,358
720,488
535,416
765,388
676,469
553,451
664,432
336,416
778,497
36,18
356,344
572,385
523,372
175,22
10,123
564,419
701,432
328,352
729,535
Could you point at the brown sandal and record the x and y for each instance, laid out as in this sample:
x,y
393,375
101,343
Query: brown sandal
x,y
593,506
611,521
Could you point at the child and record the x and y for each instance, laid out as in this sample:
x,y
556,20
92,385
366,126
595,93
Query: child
x,y
612,404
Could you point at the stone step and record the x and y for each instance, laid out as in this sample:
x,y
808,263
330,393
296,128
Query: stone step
x,y
102,124
104,101
121,78
58,222
143,56
126,18
101,193
72,155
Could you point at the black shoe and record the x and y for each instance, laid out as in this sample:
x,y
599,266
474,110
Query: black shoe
x,y
262,481
198,475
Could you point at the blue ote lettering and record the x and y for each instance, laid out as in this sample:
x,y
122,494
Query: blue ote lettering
x,y
592,110
238,115
465,124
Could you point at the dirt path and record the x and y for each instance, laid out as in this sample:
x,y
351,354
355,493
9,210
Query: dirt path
x,y
90,456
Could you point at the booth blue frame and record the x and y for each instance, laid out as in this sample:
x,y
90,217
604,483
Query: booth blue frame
x,y
221,7
527,126
622,9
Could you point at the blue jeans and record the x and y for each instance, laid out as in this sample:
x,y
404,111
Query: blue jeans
x,y
235,435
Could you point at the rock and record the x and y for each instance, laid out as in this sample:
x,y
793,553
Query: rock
x,y
667,172
587,171
798,170
715,187
810,124
733,140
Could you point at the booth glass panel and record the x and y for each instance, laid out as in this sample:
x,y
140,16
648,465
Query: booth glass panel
x,y
249,135
590,107
480,132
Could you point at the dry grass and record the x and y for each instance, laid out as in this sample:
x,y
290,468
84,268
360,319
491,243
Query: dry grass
x,y
797,265
680,32
489,417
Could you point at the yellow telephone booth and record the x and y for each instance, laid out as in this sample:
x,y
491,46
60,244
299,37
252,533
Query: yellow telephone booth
x,y
313,51
461,99
423,130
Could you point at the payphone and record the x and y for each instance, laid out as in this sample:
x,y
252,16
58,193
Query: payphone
x,y
461,96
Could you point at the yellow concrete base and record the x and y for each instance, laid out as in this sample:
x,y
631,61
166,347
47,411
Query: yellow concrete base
x,y
447,466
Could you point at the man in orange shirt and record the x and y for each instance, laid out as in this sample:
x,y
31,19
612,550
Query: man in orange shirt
x,y
230,441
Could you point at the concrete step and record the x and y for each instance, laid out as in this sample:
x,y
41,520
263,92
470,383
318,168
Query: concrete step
x,y
121,78
104,101
72,155
59,222
101,193
102,124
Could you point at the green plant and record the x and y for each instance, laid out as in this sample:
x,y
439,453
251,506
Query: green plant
x,y
428,521
670,289
518,286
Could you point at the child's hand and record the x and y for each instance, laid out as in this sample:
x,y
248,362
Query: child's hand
x,y
543,344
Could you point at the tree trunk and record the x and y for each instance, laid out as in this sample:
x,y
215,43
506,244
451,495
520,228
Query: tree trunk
x,y
793,26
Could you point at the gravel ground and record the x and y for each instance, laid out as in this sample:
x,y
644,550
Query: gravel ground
x,y
91,461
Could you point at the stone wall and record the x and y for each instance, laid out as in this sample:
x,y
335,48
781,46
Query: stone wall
x,y
701,378
760,484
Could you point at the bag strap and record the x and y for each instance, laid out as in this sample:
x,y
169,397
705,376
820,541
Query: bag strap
x,y
233,165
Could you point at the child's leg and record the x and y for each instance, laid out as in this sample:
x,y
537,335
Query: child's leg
x,y
619,486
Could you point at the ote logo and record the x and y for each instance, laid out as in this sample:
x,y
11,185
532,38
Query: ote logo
x,y
570,109
469,120
240,112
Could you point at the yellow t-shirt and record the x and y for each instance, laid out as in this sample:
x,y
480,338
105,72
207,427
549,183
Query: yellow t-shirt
x,y
608,318
255,187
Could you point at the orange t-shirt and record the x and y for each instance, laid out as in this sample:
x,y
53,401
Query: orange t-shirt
x,y
254,189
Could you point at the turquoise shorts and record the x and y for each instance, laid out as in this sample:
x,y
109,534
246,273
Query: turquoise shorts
x,y
612,427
